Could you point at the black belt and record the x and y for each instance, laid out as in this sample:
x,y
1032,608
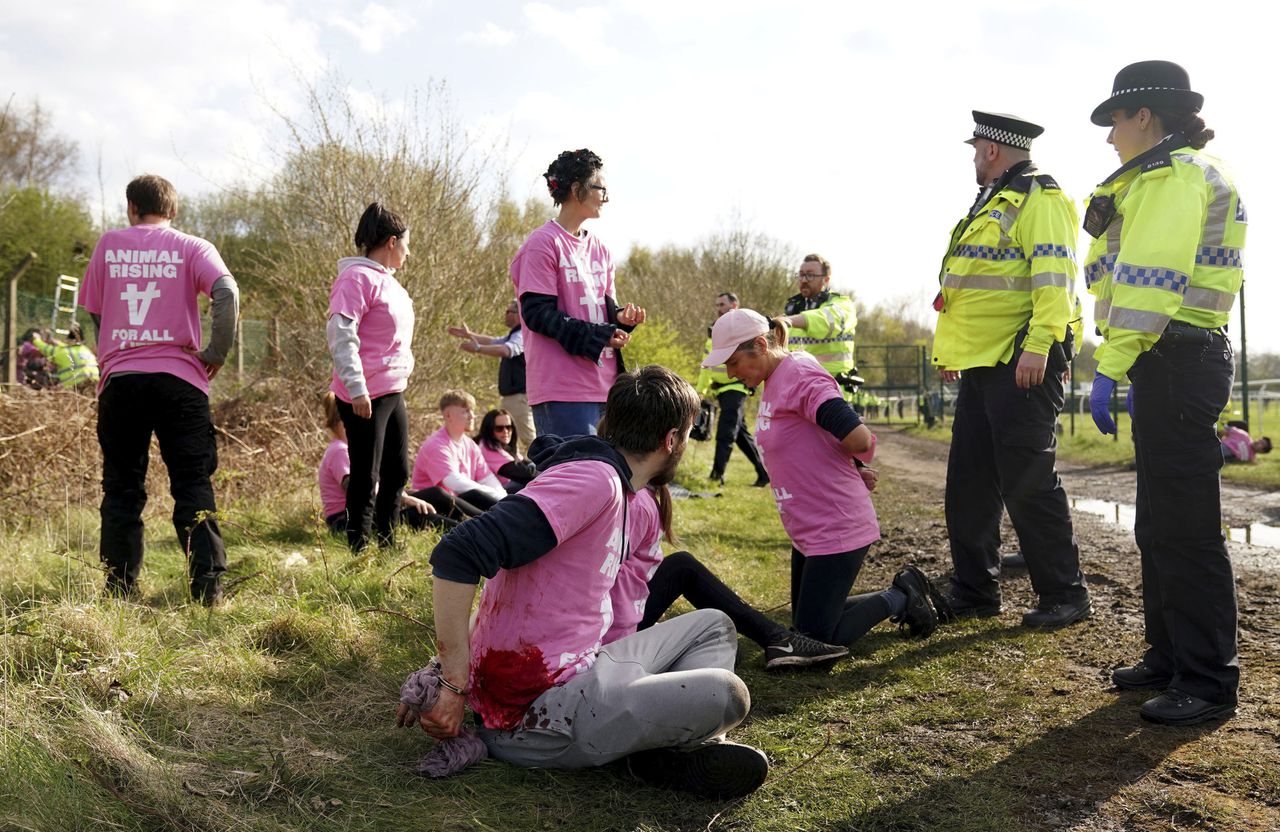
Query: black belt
x,y
1183,326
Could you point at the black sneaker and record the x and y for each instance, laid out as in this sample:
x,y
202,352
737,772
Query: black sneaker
x,y
762,481
797,650
919,617
1173,707
718,770
941,605
207,589
1140,677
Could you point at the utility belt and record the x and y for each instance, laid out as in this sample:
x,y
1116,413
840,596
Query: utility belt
x,y
1183,331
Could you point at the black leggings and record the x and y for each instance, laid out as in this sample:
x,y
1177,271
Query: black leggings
x,y
680,573
379,449
456,508
821,606
417,521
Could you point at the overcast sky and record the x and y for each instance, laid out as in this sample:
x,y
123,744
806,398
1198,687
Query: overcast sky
x,y
835,127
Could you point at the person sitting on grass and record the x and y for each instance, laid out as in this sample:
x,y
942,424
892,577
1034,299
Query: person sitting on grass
x,y
335,472
812,443
649,584
534,670
449,461
1238,446
498,438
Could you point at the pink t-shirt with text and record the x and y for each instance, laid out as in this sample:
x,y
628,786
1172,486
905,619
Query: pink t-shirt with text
x,y
144,281
370,295
824,504
439,456
542,623
579,272
644,556
495,458
334,466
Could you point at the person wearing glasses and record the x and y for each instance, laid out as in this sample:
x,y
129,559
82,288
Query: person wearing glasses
x,y
497,440
509,350
1165,266
564,280
1004,332
823,323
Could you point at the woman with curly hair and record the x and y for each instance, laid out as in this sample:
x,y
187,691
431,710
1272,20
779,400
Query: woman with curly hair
x,y
564,279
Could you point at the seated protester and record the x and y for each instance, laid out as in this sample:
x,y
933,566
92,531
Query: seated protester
x,y
497,440
648,584
534,670
1238,446
335,471
451,461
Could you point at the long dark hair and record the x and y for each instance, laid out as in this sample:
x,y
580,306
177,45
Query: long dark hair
x,y
488,436
378,224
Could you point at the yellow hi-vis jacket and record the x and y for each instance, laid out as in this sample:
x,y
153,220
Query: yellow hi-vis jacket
x,y
1172,250
715,380
828,333
69,364
1011,266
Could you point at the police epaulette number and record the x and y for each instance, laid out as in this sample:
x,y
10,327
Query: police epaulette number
x,y
1160,161
1048,182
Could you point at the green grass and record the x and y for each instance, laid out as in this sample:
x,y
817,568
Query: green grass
x,y
275,711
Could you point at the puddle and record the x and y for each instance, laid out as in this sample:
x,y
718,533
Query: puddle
x,y
1254,534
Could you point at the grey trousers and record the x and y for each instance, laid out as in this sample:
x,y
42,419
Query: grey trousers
x,y
670,686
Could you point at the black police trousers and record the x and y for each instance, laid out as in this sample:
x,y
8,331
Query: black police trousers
x,y
732,427
1003,455
1180,387
130,409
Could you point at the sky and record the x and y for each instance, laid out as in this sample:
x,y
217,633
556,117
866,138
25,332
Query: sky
x,y
834,127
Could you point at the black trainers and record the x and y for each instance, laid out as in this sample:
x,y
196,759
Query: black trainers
x,y
941,605
919,617
1140,677
718,770
207,589
797,650
1059,615
1173,707
762,481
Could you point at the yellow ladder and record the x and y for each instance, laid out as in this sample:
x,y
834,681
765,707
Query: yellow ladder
x,y
68,287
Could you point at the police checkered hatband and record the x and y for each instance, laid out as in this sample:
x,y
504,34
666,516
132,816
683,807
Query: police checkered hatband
x,y
995,134
1145,89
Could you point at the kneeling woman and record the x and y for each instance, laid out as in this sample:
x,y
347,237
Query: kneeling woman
x,y
809,438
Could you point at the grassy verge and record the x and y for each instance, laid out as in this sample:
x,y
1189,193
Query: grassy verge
x,y
274,712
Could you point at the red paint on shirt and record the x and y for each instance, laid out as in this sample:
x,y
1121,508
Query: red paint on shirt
x,y
505,682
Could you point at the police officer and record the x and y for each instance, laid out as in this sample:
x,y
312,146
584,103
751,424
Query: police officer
x,y
1003,332
823,323
71,363
731,395
1168,231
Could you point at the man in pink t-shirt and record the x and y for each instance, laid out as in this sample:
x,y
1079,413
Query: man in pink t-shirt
x,y
451,460
141,288
548,693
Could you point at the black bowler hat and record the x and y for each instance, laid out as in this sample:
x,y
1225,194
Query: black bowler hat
x,y
1005,129
1155,84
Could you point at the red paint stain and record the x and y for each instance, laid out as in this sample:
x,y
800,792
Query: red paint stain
x,y
506,682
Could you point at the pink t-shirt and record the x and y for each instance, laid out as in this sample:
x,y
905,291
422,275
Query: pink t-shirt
x,y
439,456
334,466
495,458
579,272
370,295
542,623
824,503
631,590
144,281
1239,443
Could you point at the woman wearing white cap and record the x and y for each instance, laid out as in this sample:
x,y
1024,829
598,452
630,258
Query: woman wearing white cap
x,y
809,438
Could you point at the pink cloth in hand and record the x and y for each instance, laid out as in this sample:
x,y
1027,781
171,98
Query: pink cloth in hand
x,y
420,691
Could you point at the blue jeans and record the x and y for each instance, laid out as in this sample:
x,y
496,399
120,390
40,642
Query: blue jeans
x,y
567,418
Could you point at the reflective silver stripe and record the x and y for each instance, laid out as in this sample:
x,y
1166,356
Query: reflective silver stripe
x,y
1215,223
1101,309
834,356
1040,281
1209,299
994,282
1139,320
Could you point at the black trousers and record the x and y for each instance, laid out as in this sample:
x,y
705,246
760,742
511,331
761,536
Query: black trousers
x,y
447,504
379,450
1003,456
337,522
732,428
1180,387
130,410
680,573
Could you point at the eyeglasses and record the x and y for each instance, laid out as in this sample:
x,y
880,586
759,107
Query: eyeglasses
x,y
604,192
809,276
503,428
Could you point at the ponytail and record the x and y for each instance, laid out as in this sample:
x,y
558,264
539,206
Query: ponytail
x,y
1186,123
377,225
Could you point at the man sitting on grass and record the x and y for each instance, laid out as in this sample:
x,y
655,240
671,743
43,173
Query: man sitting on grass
x,y
545,690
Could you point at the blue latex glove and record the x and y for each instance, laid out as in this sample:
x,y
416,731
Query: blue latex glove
x,y
1100,403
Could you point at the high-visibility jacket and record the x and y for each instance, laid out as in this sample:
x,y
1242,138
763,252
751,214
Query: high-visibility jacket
x,y
69,364
1010,265
715,380
828,332
1172,250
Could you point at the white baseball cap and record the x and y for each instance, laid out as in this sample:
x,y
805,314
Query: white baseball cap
x,y
731,330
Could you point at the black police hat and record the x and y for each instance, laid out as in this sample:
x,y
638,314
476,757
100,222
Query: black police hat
x,y
1005,129
1156,84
